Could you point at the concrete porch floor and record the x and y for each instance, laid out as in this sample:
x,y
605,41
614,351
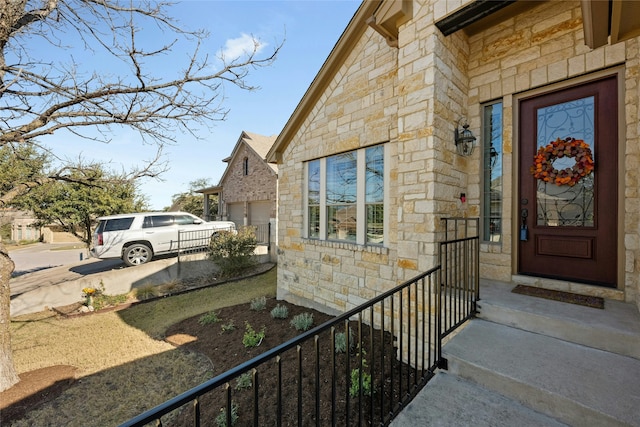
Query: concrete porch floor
x,y
529,361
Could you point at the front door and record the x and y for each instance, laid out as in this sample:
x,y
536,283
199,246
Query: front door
x,y
568,205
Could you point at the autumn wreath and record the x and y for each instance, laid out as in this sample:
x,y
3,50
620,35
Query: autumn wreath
x,y
543,169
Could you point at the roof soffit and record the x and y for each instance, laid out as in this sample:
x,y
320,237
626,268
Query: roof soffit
x,y
388,18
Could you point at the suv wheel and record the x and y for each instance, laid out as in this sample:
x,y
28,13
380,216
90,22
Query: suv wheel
x,y
137,254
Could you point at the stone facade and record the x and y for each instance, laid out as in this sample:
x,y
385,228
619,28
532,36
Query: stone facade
x,y
408,98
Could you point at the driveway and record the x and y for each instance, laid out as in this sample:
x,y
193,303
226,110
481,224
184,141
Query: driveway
x,y
48,275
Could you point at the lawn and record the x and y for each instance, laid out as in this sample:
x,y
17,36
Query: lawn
x,y
103,368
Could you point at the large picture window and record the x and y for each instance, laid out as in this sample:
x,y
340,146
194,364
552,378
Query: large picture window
x,y
345,197
492,172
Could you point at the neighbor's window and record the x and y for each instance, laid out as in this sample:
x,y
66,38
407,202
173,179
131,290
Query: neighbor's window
x,y
345,196
492,172
245,166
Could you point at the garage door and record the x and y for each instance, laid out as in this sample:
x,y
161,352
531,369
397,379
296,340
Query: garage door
x,y
259,212
236,213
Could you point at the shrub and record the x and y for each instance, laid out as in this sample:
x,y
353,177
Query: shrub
x,y
252,338
302,322
146,291
221,419
233,252
228,327
244,381
341,341
354,390
209,318
258,304
280,312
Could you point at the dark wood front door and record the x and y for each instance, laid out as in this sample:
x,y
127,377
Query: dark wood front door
x,y
571,230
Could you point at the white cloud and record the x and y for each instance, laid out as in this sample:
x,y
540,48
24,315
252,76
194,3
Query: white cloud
x,y
241,46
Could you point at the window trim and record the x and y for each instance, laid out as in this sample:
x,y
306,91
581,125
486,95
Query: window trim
x,y
484,209
361,217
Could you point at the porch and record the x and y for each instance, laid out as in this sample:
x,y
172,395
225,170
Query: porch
x,y
529,361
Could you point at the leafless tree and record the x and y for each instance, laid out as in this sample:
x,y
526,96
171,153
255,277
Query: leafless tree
x,y
42,96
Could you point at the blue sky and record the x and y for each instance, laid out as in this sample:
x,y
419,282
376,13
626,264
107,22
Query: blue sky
x,y
309,29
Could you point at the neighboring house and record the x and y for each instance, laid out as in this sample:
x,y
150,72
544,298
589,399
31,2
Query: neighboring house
x,y
371,146
248,187
24,228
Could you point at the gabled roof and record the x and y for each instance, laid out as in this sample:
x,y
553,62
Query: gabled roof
x,y
257,143
616,19
351,35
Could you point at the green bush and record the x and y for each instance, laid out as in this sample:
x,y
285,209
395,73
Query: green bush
x,y
302,322
259,304
341,341
354,390
252,338
209,318
280,312
244,381
233,252
228,327
221,419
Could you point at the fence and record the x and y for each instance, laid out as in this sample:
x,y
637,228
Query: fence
x,y
197,241
365,365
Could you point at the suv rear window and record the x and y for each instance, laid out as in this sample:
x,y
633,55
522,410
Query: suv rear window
x,y
118,224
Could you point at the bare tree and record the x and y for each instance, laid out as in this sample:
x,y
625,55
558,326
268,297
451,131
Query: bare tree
x,y
39,96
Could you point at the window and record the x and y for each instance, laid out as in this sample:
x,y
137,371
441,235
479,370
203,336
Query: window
x,y
345,196
245,166
115,224
492,172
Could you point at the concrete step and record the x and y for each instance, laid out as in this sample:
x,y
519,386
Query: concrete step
x,y
450,401
615,329
575,384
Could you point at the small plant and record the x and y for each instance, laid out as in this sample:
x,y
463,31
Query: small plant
x,y
258,304
341,341
244,381
280,312
228,327
209,318
354,390
146,291
302,322
252,338
221,419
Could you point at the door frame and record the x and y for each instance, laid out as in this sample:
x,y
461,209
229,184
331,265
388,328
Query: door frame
x,y
515,207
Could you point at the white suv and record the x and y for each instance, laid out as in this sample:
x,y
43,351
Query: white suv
x,y
137,237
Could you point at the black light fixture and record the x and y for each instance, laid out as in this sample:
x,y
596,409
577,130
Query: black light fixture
x,y
464,139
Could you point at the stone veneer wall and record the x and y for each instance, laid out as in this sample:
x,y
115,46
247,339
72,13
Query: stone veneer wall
x,y
411,97
543,46
259,185
358,109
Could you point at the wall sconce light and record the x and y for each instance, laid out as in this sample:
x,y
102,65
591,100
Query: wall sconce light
x,y
464,139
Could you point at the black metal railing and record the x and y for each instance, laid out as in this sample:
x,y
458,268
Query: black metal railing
x,y
393,346
196,241
262,232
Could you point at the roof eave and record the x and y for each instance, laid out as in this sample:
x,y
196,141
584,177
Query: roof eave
x,y
357,26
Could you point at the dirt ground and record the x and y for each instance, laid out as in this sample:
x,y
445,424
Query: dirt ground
x,y
226,350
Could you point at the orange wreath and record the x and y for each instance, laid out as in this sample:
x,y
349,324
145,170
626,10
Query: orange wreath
x,y
543,169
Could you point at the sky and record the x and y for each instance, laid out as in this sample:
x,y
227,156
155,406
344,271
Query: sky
x,y
309,30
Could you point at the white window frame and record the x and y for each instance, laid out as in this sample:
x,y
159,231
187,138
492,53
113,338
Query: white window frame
x,y
361,215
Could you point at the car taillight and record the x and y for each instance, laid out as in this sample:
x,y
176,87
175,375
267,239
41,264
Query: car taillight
x,y
100,239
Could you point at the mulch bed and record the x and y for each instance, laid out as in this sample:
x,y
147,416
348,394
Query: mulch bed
x,y
572,298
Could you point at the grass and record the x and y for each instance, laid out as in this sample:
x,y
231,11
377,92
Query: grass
x,y
122,352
